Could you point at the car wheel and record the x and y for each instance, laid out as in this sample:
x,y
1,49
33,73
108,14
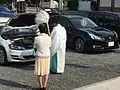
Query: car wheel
x,y
3,57
79,45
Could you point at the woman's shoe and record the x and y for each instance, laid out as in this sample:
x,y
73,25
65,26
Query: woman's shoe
x,y
41,89
44,88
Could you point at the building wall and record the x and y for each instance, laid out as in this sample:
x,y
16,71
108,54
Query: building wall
x,y
117,3
105,5
84,5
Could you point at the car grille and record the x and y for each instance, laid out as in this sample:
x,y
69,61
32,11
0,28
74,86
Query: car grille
x,y
29,57
108,39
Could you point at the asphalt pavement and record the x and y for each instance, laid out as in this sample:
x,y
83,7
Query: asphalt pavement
x,y
80,70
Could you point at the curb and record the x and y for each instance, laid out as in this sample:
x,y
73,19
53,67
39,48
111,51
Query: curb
x,y
112,84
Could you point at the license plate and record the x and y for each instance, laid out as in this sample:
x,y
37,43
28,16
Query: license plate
x,y
110,43
28,52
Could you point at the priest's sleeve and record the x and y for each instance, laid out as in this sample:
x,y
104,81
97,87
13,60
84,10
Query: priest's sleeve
x,y
55,42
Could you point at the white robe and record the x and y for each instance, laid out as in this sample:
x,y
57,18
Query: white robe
x,y
58,49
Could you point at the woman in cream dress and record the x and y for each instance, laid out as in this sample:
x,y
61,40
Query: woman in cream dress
x,y
42,44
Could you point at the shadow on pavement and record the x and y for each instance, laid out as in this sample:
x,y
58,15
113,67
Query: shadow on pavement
x,y
78,66
15,84
92,52
116,51
70,50
99,52
24,65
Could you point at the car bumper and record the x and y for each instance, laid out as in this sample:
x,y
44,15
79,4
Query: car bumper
x,y
100,45
21,55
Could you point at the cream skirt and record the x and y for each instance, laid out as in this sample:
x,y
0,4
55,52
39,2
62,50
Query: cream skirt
x,y
42,66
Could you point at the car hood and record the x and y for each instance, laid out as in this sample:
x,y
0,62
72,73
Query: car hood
x,y
99,31
7,14
10,24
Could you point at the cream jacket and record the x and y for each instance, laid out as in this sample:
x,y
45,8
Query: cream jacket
x,y
42,43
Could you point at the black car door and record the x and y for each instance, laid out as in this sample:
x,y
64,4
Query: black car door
x,y
65,23
111,22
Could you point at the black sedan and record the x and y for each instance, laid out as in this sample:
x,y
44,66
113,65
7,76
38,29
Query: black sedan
x,y
84,35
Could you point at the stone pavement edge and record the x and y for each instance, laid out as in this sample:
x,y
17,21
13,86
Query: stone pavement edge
x,y
112,84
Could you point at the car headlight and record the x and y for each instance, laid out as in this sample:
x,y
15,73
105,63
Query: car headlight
x,y
15,47
95,37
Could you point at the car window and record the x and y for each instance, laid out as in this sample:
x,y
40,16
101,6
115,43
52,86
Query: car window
x,y
82,23
64,22
92,17
109,18
118,14
99,17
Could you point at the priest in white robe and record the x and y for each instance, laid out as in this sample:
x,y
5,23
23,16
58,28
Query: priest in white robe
x,y
58,49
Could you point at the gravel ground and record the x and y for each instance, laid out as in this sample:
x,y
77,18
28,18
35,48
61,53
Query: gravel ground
x,y
80,70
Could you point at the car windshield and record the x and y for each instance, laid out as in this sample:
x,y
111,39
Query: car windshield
x,y
4,9
82,23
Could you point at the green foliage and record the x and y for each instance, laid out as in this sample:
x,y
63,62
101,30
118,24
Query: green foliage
x,y
5,1
73,4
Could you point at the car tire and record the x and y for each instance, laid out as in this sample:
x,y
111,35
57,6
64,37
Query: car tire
x,y
79,45
3,56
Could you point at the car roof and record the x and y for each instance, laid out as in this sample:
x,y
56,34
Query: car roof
x,y
70,16
109,12
73,16
70,12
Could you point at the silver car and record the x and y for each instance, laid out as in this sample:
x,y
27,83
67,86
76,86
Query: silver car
x,y
16,42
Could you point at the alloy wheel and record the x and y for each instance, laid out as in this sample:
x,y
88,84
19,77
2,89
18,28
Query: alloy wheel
x,y
79,45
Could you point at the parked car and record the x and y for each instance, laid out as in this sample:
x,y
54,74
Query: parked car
x,y
109,20
84,35
16,39
5,12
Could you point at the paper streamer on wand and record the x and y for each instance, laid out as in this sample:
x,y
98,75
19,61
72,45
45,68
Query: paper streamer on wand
x,y
42,17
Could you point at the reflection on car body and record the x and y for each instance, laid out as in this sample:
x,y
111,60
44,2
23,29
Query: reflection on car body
x,y
84,35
